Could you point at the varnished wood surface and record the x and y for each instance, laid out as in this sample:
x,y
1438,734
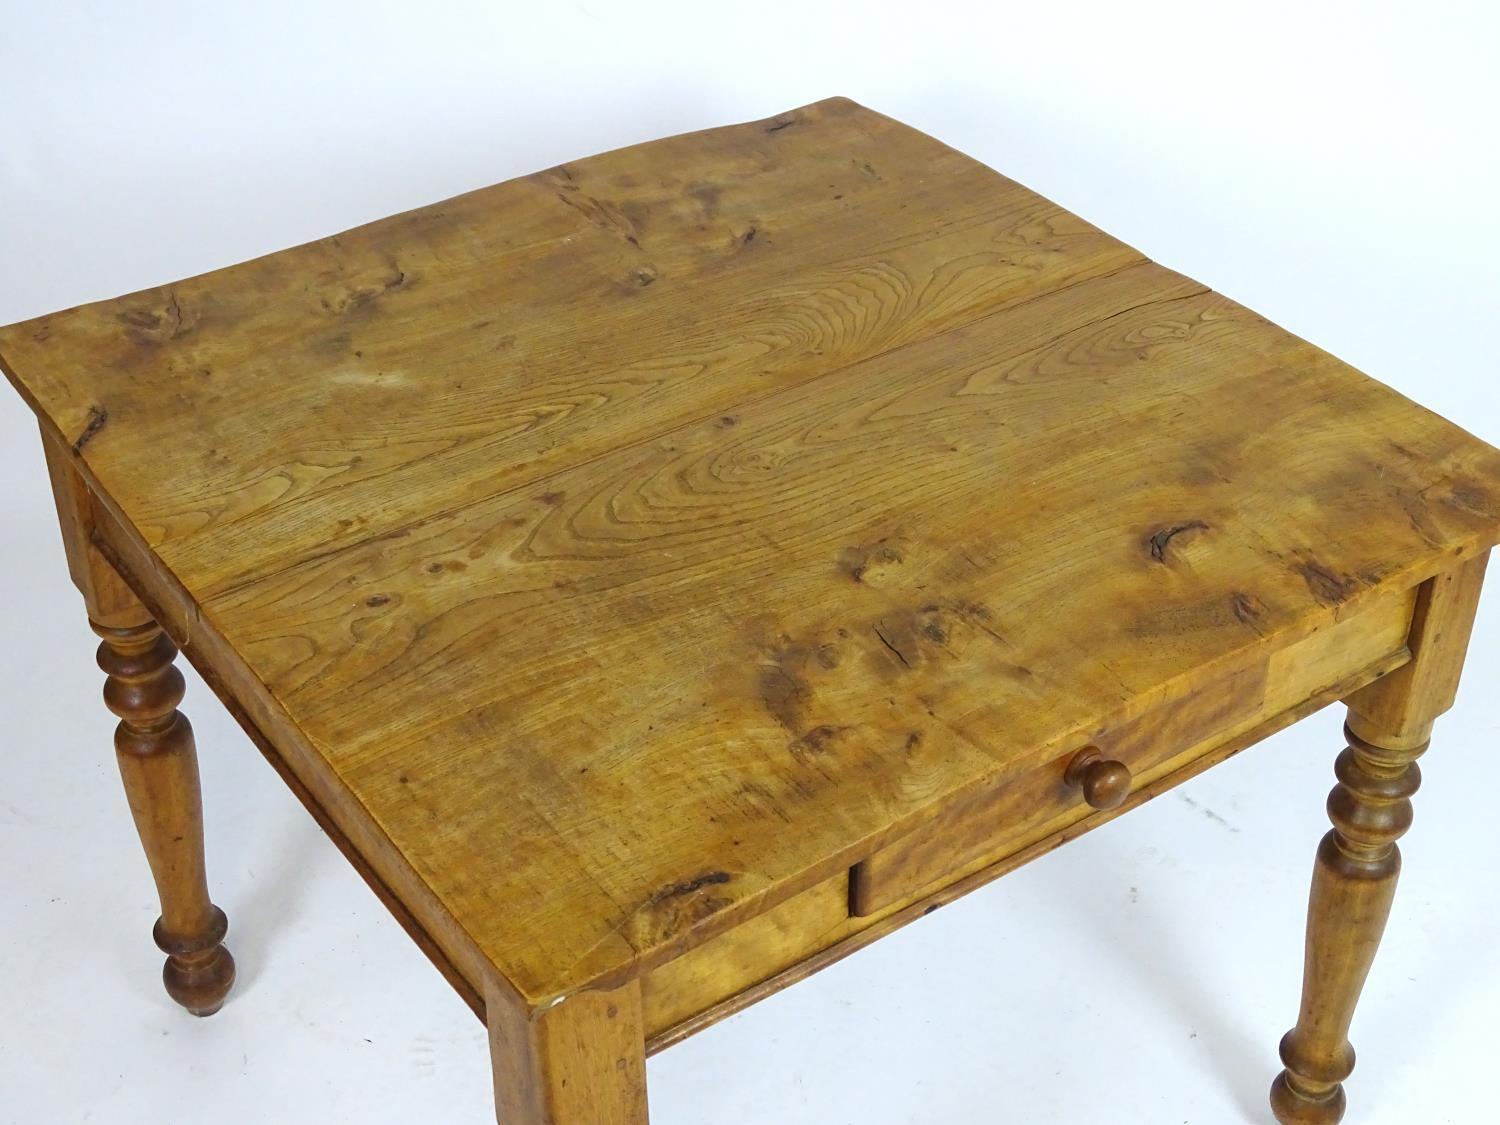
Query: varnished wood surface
x,y
1019,811
1359,862
343,389
154,749
159,766
622,550
578,1062
1023,817
811,931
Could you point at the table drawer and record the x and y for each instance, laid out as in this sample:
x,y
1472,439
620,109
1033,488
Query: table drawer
x,y
1023,810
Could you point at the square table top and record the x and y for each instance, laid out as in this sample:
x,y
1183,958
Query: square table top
x,y
637,541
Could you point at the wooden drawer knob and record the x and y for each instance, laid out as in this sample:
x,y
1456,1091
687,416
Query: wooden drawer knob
x,y
1104,781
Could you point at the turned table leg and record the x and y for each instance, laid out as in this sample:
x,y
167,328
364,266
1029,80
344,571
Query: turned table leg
x,y
581,1061
154,746
159,765
1354,883
1354,880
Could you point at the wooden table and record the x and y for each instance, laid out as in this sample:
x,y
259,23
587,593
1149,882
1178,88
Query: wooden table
x,y
666,573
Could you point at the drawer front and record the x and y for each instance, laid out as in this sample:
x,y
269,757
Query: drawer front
x,y
1028,808
1024,810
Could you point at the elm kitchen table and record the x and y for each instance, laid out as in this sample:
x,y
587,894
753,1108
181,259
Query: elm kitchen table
x,y
668,572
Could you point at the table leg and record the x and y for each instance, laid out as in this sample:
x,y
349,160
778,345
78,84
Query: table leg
x,y
154,746
1354,880
159,765
581,1061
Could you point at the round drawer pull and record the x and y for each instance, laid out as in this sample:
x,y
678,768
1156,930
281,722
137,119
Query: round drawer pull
x,y
1105,782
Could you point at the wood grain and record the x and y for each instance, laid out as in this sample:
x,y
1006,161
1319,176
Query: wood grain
x,y
721,621
106,596
1017,811
1359,862
740,959
154,749
1401,710
617,553
344,388
713,973
158,763
578,1062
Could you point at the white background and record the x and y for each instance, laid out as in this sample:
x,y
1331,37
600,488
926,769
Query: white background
x,y
1331,165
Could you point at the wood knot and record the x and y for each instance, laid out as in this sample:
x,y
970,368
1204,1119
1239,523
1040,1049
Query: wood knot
x,y
1328,588
96,421
677,907
872,565
160,324
1158,541
818,740
348,293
